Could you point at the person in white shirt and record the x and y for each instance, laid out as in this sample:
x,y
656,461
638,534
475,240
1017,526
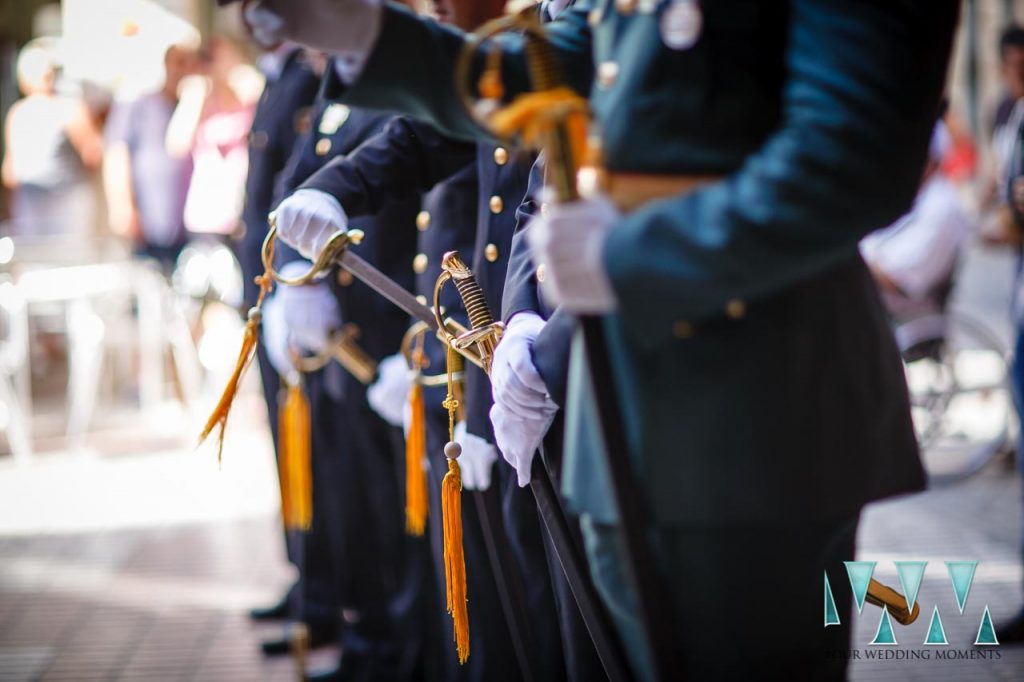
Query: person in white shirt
x,y
913,259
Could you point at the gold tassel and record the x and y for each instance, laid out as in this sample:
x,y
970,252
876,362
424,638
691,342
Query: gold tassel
x,y
296,463
284,473
416,506
451,514
219,417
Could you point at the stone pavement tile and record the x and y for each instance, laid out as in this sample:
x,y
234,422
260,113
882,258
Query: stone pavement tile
x,y
23,663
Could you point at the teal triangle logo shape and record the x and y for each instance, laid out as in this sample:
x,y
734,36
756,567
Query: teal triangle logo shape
x,y
961,574
986,631
884,636
831,612
860,573
936,633
911,574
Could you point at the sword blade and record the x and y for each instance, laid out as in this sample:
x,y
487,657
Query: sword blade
x,y
387,287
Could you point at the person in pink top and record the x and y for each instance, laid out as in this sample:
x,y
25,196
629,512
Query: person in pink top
x,y
212,125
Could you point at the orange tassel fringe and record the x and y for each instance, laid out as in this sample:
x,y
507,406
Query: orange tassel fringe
x,y
454,561
416,506
451,516
219,418
296,463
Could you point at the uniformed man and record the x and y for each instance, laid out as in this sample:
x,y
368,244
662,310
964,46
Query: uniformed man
x,y
503,175
763,398
281,115
376,573
406,158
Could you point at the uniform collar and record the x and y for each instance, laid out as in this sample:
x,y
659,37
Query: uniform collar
x,y
272,63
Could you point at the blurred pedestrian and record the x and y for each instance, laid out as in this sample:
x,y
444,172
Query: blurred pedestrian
x,y
52,145
144,183
912,260
211,125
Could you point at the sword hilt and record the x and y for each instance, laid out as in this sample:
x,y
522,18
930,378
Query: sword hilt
x,y
469,290
484,332
338,242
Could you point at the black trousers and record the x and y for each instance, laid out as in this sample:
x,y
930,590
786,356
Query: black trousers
x,y
371,566
492,657
747,600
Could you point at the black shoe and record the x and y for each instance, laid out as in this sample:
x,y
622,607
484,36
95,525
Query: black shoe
x,y
278,611
318,637
1011,631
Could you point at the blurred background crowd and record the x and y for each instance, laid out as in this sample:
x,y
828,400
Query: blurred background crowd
x,y
125,152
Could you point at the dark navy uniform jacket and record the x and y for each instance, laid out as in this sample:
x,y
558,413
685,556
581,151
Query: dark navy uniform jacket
x,y
503,175
281,116
523,293
406,158
338,132
759,379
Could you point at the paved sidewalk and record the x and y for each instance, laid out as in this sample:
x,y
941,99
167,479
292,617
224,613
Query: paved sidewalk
x,y
979,519
141,566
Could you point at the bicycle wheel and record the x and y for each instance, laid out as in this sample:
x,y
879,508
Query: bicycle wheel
x,y
960,398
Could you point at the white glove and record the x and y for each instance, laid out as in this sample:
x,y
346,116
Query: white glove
x,y
518,438
334,26
477,459
307,219
311,311
389,394
515,383
275,337
569,241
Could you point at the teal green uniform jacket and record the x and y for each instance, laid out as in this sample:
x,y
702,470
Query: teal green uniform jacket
x,y
758,378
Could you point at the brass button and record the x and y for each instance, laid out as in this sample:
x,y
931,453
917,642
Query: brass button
x,y
419,263
422,220
496,204
625,7
735,309
542,273
682,329
323,145
607,74
491,253
344,278
594,16
422,299
500,156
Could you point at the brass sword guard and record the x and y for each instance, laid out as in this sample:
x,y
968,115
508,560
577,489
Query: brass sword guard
x,y
342,347
484,333
335,246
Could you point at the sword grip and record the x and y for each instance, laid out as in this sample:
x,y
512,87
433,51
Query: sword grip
x,y
469,290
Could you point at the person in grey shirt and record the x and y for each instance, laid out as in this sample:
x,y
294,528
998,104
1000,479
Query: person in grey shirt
x,y
146,185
